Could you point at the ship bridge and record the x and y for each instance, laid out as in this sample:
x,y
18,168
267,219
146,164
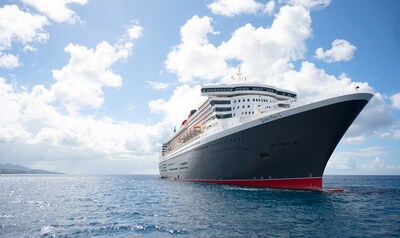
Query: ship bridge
x,y
238,100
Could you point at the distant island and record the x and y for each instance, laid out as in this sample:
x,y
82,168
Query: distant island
x,y
18,169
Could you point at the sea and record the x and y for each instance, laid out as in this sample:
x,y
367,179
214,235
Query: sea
x,y
147,206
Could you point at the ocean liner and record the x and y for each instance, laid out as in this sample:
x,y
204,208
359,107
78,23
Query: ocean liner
x,y
249,134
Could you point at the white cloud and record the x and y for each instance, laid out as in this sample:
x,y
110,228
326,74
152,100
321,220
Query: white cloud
x,y
375,117
157,85
32,123
323,84
396,100
235,7
265,52
368,160
341,50
135,31
176,109
57,10
195,57
29,48
196,29
270,7
34,128
9,61
379,164
310,4
80,82
19,26
353,161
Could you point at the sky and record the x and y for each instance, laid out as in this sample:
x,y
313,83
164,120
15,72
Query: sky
x,y
96,86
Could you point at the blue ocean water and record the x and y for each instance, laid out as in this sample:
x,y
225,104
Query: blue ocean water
x,y
146,206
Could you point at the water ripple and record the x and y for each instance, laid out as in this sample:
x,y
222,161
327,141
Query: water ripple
x,y
137,206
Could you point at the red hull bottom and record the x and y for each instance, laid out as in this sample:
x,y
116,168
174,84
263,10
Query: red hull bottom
x,y
289,183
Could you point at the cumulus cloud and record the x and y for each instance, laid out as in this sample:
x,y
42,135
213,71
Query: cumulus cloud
x,y
19,26
80,82
135,31
35,121
29,48
341,50
9,61
269,7
32,122
176,109
310,4
265,52
379,164
376,115
396,100
350,160
57,10
195,57
235,7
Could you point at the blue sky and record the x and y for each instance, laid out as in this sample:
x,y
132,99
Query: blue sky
x,y
95,87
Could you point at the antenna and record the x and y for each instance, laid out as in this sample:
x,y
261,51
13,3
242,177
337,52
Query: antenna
x,y
239,75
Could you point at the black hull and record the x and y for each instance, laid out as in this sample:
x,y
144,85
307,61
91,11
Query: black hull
x,y
293,146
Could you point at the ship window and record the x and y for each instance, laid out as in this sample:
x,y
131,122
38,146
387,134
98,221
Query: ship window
x,y
222,109
213,102
248,106
224,116
253,100
239,100
234,101
245,113
243,107
237,107
248,100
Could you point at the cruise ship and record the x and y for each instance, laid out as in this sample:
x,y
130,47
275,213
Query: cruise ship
x,y
250,134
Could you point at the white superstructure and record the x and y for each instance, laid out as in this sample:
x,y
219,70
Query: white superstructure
x,y
227,106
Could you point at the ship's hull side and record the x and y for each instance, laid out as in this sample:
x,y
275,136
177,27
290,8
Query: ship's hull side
x,y
289,152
